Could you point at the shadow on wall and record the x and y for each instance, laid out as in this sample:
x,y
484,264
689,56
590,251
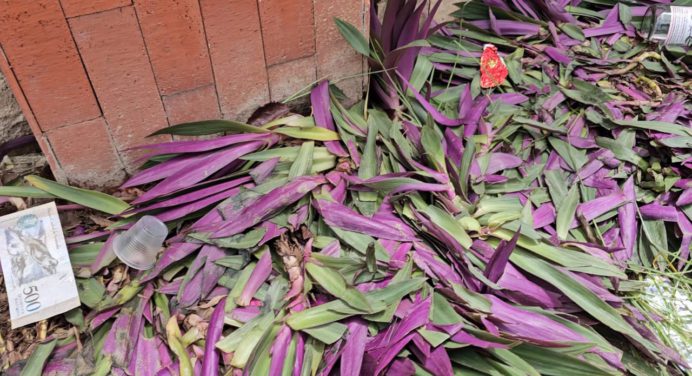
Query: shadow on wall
x,y
12,122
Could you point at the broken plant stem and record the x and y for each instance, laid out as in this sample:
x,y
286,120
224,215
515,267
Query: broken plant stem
x,y
42,330
75,331
633,64
651,84
637,103
291,253
587,229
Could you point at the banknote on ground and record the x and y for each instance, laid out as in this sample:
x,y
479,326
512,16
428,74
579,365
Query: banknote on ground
x,y
35,265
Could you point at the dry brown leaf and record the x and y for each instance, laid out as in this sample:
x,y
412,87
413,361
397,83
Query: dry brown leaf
x,y
212,302
101,221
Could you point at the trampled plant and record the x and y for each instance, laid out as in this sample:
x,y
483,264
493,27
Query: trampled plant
x,y
447,229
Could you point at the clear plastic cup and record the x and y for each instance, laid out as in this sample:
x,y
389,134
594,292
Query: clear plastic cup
x,y
139,245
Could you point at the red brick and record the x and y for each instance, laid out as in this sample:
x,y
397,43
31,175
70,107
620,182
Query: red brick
x,y
13,84
29,116
86,154
288,78
235,45
174,37
74,8
58,173
38,45
287,29
113,51
193,105
335,57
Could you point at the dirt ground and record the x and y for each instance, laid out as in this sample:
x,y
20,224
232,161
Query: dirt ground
x,y
14,344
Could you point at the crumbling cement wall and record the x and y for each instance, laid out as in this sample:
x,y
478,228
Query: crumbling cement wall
x,y
12,122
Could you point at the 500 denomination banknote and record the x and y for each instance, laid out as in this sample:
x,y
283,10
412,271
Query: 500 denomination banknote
x,y
35,265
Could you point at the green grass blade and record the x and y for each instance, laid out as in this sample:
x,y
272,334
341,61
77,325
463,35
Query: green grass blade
x,y
85,197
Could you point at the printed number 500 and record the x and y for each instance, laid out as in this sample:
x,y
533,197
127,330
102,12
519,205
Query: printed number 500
x,y
31,298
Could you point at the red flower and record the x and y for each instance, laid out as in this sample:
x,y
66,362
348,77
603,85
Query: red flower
x,y
493,69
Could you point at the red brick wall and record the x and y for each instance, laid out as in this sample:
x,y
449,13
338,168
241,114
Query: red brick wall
x,y
94,77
